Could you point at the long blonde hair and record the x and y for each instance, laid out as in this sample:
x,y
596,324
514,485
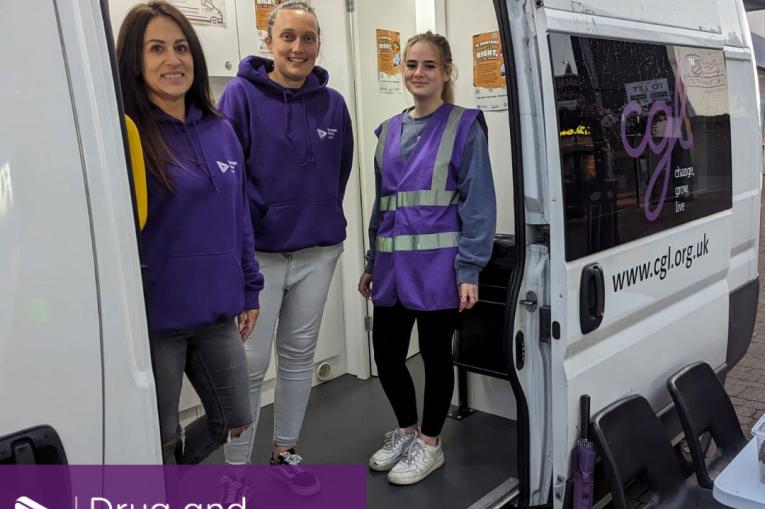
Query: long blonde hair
x,y
440,42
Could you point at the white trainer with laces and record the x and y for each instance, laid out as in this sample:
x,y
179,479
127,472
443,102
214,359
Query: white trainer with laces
x,y
389,454
417,462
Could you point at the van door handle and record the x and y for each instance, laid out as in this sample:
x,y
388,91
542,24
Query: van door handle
x,y
592,298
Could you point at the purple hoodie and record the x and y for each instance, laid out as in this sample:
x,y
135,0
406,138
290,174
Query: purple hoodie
x,y
298,144
197,242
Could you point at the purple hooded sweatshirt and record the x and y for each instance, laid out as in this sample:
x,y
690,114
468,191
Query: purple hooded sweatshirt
x,y
298,144
197,242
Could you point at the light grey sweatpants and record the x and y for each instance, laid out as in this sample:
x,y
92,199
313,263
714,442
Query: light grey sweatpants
x,y
291,307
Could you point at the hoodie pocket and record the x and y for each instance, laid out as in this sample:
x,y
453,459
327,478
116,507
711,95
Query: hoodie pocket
x,y
295,225
197,289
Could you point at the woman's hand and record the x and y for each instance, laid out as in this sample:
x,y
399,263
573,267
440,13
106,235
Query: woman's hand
x,y
468,295
246,321
365,285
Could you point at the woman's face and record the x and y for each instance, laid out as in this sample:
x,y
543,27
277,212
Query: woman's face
x,y
294,43
424,74
168,66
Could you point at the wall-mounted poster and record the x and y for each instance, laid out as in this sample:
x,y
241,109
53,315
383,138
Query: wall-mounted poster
x,y
388,61
263,10
490,87
203,12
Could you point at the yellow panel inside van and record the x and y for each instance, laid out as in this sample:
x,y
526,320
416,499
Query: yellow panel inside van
x,y
139,171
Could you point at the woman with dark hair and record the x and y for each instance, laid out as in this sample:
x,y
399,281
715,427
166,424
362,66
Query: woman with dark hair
x,y
197,242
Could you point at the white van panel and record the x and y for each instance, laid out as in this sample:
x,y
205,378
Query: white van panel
x,y
689,14
627,29
131,431
746,152
50,341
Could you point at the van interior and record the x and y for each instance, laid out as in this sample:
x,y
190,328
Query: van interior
x,y
348,413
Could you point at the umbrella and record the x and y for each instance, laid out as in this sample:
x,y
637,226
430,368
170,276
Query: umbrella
x,y
584,461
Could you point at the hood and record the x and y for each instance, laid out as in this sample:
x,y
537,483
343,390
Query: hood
x,y
256,69
183,139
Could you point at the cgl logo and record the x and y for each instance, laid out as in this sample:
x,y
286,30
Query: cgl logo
x,y
674,117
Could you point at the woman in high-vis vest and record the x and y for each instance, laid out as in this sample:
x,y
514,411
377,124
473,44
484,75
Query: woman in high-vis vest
x,y
431,232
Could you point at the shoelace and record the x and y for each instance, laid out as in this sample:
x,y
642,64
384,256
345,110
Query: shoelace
x,y
413,452
295,461
393,439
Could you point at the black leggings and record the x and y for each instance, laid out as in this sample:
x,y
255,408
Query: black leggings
x,y
390,336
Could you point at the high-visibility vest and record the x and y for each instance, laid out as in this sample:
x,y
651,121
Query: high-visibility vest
x,y
138,170
419,226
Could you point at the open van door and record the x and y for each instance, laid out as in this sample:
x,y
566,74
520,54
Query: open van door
x,y
627,179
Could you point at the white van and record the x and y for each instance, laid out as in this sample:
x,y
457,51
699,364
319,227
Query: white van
x,y
627,167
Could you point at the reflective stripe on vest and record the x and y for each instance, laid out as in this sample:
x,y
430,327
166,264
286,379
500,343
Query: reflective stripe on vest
x,y
437,195
417,242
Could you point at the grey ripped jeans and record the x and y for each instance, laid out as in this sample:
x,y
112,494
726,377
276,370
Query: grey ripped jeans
x,y
212,356
291,307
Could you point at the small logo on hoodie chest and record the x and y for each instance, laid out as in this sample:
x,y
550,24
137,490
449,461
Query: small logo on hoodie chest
x,y
227,166
328,134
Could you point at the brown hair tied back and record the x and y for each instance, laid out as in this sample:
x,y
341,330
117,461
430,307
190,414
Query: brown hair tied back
x,y
440,42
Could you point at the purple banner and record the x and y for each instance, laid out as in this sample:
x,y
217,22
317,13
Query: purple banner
x,y
177,487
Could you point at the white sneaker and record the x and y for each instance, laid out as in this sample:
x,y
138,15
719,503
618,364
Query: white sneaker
x,y
417,462
395,443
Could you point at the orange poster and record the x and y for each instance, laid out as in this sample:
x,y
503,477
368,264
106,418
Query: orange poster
x,y
263,10
489,72
388,61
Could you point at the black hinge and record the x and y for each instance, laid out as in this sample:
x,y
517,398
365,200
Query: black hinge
x,y
350,5
545,322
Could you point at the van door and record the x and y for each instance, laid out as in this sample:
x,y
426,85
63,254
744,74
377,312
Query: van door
x,y
50,337
638,198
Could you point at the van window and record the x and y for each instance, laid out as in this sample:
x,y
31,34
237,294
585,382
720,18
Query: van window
x,y
644,138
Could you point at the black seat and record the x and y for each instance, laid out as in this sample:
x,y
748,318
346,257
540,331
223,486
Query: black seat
x,y
478,343
634,447
704,407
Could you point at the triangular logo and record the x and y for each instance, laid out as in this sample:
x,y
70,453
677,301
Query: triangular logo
x,y
322,133
223,166
27,503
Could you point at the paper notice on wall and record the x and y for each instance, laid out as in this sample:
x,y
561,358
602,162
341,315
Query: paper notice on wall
x,y
490,87
203,12
263,10
388,61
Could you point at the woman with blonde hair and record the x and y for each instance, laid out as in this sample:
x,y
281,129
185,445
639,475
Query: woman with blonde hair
x,y
431,232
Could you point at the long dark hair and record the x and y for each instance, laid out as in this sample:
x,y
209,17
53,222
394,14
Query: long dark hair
x,y
137,105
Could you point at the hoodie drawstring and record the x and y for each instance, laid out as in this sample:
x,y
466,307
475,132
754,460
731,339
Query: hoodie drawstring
x,y
288,126
205,161
309,158
286,117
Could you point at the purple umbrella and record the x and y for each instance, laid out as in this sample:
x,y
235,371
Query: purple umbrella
x,y
584,461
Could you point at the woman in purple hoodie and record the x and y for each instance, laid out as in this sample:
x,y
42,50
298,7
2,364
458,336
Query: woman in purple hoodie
x,y
197,243
298,143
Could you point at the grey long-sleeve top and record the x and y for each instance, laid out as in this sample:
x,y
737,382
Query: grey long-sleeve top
x,y
477,206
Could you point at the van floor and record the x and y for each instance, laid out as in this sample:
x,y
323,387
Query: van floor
x,y
346,421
